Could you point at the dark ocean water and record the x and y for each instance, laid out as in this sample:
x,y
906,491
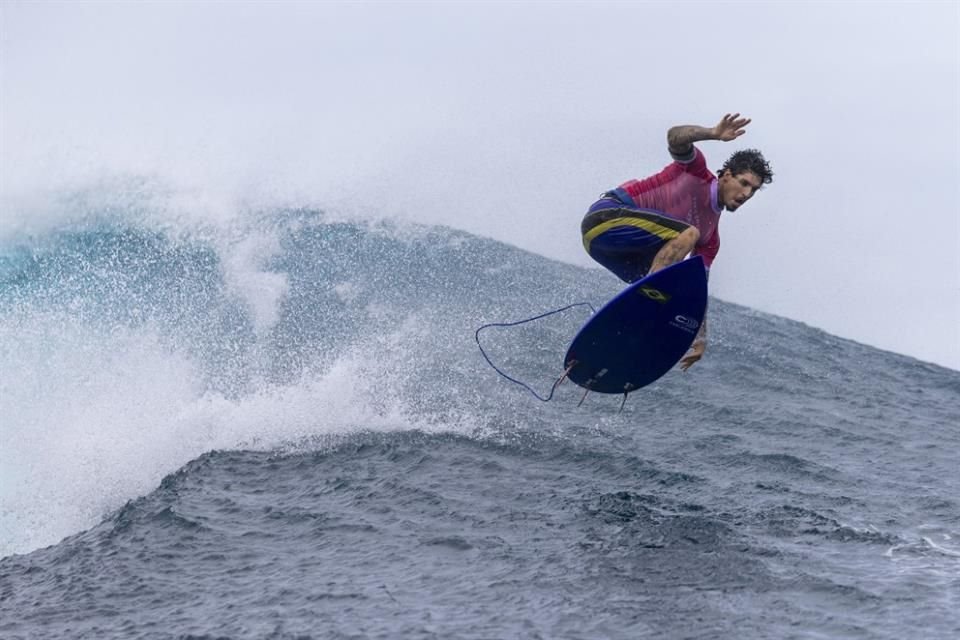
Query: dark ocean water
x,y
287,431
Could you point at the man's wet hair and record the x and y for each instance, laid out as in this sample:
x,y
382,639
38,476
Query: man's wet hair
x,y
749,160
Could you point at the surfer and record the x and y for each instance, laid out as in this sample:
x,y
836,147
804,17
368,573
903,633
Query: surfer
x,y
647,224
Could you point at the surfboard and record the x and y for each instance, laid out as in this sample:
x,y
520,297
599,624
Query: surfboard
x,y
640,334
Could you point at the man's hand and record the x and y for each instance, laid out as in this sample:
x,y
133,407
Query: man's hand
x,y
693,355
730,127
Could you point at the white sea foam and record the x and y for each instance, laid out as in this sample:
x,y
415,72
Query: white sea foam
x,y
96,416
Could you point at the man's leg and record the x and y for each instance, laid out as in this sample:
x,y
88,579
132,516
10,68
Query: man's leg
x,y
676,249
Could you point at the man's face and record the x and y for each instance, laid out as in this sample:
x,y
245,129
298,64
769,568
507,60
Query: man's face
x,y
734,190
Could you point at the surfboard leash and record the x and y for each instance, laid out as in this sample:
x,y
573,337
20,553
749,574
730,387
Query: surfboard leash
x,y
523,384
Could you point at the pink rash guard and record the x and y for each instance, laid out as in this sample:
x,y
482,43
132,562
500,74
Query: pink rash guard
x,y
685,190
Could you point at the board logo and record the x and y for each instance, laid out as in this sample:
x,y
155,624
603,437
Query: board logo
x,y
655,294
690,325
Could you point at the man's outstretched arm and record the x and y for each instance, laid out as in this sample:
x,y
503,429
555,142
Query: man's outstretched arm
x,y
681,137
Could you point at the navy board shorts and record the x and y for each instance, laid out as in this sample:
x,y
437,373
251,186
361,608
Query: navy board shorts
x,y
625,239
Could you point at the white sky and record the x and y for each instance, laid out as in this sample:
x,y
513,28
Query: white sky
x,y
507,119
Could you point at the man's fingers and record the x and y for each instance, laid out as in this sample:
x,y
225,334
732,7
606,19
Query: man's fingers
x,y
688,361
734,121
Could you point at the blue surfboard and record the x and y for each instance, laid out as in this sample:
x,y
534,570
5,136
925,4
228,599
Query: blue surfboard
x,y
641,333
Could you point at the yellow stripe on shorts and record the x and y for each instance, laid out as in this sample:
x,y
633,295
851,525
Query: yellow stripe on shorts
x,y
647,225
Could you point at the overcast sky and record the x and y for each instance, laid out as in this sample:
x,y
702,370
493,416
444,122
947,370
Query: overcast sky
x,y
507,119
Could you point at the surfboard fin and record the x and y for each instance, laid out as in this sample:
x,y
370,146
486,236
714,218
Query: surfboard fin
x,y
583,398
566,373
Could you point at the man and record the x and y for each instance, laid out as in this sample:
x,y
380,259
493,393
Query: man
x,y
645,225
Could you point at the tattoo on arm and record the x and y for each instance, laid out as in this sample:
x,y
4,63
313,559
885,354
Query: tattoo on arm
x,y
681,137
674,254
671,253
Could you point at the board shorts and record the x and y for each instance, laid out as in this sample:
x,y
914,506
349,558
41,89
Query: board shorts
x,y
625,239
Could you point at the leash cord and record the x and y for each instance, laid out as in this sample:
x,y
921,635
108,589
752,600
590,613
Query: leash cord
x,y
519,322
